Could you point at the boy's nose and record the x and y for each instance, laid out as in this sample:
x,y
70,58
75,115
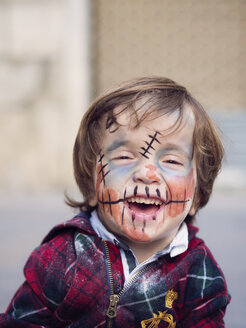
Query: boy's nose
x,y
147,174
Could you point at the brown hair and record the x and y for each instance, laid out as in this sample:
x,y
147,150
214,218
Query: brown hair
x,y
163,95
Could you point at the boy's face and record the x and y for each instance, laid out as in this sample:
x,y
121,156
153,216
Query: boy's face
x,y
146,177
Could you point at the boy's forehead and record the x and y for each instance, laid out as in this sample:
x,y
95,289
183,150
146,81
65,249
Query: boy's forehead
x,y
157,119
122,132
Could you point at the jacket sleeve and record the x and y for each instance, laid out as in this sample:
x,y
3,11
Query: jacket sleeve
x,y
48,272
206,295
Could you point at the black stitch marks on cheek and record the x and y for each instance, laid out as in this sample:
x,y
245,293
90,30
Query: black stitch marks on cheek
x,y
110,203
184,199
122,215
125,194
133,219
146,151
100,157
144,225
103,174
123,210
177,201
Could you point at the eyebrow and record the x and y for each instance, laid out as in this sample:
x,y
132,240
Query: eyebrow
x,y
174,147
116,144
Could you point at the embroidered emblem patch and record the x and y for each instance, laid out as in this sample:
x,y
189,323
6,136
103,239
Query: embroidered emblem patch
x,y
157,318
153,322
170,298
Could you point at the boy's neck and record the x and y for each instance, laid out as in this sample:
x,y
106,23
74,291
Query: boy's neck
x,y
144,251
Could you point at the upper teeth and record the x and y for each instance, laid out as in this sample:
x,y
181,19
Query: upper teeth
x,y
144,200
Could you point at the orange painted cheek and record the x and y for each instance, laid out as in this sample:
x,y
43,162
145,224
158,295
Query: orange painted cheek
x,y
181,190
108,196
135,233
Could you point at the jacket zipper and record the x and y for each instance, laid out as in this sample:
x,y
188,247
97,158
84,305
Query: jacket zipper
x,y
114,298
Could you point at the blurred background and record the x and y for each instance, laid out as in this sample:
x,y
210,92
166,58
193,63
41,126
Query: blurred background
x,y
57,55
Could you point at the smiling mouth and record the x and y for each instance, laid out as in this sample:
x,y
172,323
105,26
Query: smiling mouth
x,y
147,206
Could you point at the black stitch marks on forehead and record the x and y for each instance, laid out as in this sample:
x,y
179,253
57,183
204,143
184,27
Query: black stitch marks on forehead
x,y
146,150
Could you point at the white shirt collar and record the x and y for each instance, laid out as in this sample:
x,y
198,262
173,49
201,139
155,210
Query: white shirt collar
x,y
178,246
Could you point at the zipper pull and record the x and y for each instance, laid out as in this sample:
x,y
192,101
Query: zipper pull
x,y
111,313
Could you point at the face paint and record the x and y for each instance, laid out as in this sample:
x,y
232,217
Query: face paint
x,y
145,193
151,172
146,150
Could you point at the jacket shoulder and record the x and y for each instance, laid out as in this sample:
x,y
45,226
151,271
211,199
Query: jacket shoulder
x,y
55,260
80,223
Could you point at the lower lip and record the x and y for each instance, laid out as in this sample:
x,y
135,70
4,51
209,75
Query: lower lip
x,y
141,216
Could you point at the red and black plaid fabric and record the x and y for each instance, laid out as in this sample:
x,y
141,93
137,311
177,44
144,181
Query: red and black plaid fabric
x,y
67,285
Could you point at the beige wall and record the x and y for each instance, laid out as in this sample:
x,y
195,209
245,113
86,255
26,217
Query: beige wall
x,y
44,74
198,43
54,54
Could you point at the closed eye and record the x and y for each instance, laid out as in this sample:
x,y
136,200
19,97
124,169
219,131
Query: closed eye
x,y
121,157
170,161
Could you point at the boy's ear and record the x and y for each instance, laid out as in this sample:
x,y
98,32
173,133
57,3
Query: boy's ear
x,y
192,211
93,201
194,206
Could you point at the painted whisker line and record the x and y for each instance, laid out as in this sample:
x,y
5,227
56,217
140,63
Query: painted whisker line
x,y
147,191
135,191
183,201
158,193
133,219
125,194
144,225
109,197
171,196
177,201
184,198
102,202
123,210
111,202
122,215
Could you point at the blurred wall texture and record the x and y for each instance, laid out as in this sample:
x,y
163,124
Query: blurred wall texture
x,y
55,56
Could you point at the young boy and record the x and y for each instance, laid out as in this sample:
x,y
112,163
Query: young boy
x,y
145,160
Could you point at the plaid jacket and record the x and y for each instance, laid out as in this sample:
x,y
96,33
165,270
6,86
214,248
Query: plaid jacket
x,y
68,285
